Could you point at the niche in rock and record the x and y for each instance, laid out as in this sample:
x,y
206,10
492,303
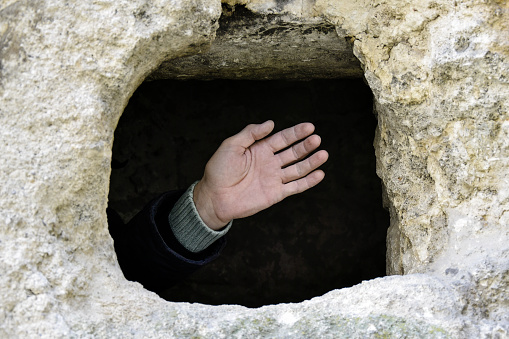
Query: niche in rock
x,y
329,237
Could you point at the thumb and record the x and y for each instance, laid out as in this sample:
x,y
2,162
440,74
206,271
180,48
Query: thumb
x,y
252,133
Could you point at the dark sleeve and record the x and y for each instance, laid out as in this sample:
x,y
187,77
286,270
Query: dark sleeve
x,y
147,250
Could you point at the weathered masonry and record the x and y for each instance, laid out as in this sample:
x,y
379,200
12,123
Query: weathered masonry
x,y
438,72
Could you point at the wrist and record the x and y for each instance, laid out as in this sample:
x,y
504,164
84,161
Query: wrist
x,y
188,227
205,207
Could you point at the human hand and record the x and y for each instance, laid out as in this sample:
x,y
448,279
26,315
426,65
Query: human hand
x,y
248,173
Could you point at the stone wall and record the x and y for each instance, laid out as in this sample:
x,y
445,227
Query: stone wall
x,y
267,45
438,72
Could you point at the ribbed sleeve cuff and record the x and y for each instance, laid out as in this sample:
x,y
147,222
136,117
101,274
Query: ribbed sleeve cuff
x,y
189,228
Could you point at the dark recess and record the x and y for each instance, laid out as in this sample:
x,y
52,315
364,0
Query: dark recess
x,y
330,237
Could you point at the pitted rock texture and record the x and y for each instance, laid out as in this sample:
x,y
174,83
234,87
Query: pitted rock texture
x,y
438,72
260,47
439,76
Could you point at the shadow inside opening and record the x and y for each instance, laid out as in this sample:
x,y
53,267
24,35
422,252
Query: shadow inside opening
x,y
329,237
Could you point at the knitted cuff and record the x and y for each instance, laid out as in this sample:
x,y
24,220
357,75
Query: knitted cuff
x,y
189,228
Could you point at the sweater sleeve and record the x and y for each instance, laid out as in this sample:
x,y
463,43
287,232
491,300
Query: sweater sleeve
x,y
189,228
149,252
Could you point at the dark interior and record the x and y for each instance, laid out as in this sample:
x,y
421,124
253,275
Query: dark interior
x,y
329,237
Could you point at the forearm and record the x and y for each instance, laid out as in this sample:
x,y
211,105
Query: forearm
x,y
150,253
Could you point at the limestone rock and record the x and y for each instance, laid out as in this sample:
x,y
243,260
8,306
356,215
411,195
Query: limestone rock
x,y
438,71
256,46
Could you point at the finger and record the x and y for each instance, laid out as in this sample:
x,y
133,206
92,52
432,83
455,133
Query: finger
x,y
299,186
289,136
302,168
299,151
251,133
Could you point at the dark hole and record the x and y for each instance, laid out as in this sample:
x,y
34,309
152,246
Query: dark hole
x,y
330,237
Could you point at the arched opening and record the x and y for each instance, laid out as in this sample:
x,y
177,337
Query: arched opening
x,y
330,237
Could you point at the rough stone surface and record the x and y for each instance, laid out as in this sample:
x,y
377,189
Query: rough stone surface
x,y
438,71
275,46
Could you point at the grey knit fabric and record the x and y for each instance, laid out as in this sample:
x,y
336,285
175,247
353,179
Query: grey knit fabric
x,y
189,228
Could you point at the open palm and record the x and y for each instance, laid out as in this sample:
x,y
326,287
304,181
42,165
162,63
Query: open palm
x,y
249,173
